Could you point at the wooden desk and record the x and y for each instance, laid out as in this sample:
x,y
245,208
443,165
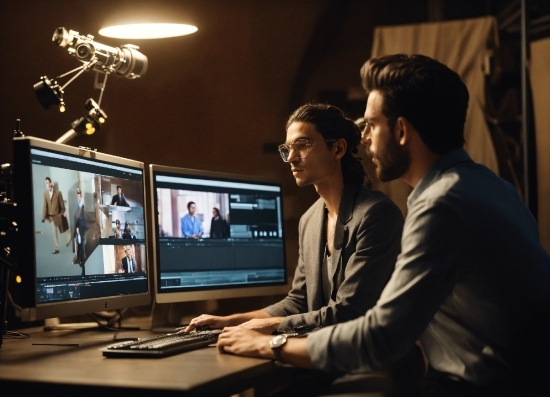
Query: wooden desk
x,y
30,369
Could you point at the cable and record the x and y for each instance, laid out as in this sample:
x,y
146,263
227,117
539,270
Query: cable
x,y
15,335
108,326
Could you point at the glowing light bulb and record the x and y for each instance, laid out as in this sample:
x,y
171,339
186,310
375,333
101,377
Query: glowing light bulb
x,y
89,129
148,30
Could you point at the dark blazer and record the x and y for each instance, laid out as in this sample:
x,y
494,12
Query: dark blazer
x,y
125,264
367,241
120,201
218,228
80,223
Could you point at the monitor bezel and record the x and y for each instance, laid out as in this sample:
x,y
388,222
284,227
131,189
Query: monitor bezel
x,y
211,293
25,292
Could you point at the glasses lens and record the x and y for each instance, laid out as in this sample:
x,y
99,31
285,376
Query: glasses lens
x,y
283,150
301,147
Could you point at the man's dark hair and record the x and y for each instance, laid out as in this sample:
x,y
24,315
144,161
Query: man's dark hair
x,y
432,97
118,187
217,211
189,204
48,179
332,123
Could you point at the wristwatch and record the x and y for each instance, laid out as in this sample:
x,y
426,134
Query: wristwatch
x,y
280,340
276,343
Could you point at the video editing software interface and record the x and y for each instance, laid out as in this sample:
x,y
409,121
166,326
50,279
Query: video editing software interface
x,y
217,231
89,230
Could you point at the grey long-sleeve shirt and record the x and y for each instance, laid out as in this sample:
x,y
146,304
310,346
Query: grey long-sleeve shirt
x,y
472,283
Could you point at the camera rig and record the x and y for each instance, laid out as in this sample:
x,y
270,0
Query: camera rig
x,y
125,61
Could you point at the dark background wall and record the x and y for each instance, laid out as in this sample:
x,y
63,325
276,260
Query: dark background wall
x,y
217,99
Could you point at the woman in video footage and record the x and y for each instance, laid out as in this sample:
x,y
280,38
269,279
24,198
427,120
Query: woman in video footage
x,y
127,233
218,225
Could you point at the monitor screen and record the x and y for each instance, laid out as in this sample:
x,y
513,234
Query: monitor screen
x,y
216,235
82,232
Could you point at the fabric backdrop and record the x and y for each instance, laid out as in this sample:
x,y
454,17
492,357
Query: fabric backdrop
x,y
464,46
540,78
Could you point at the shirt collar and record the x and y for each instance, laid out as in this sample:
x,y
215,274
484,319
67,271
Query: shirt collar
x,y
442,164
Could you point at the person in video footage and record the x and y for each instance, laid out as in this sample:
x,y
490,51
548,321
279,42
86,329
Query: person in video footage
x,y
117,231
472,278
79,234
218,225
191,226
129,264
348,239
127,233
53,211
119,198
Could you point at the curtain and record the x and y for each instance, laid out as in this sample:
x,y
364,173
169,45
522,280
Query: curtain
x,y
540,81
464,46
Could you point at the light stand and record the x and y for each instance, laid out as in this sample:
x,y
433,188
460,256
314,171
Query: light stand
x,y
8,230
88,124
50,94
125,61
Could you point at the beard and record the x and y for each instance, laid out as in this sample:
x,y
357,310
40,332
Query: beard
x,y
394,161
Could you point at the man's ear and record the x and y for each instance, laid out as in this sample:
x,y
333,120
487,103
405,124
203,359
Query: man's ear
x,y
340,147
403,130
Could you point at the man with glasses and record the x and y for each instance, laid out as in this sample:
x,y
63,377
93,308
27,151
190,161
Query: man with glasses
x,y
349,238
472,279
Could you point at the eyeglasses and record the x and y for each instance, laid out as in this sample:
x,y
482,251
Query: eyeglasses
x,y
300,146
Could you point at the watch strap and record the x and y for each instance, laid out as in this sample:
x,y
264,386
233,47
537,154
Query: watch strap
x,y
278,354
277,349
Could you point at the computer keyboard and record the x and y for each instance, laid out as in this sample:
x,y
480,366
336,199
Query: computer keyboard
x,y
162,345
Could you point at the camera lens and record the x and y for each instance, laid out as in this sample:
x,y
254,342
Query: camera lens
x,y
84,52
61,37
135,63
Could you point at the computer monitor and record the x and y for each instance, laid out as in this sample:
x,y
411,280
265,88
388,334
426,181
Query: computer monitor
x,y
64,271
232,246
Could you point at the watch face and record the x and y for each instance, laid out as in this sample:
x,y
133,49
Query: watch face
x,y
277,341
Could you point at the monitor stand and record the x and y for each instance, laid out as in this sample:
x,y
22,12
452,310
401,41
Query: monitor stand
x,y
53,324
113,324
